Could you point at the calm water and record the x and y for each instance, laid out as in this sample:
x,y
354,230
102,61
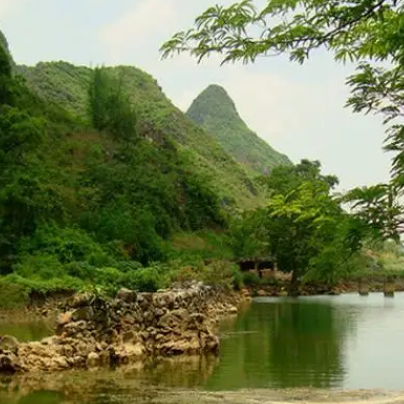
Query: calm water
x,y
27,330
347,341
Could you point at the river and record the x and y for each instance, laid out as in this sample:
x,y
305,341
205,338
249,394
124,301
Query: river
x,y
277,347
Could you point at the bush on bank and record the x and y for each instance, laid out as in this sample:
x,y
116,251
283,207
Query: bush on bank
x,y
38,276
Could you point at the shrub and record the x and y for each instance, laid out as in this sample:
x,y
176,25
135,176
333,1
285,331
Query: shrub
x,y
238,281
12,294
148,279
41,266
251,279
218,273
17,289
67,245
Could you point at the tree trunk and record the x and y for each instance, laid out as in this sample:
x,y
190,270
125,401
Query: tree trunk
x,y
294,284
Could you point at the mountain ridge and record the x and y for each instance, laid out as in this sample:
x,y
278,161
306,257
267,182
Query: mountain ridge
x,y
216,112
66,85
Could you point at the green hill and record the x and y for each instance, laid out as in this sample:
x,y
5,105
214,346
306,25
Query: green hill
x,y
3,41
105,182
4,45
214,111
82,202
66,85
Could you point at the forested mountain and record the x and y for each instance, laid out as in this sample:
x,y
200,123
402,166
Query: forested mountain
x,y
214,111
3,41
67,86
4,45
99,171
106,184
83,185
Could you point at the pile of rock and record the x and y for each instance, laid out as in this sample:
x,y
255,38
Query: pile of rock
x,y
94,331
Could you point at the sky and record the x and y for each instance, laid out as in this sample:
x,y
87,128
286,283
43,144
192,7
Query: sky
x,y
299,110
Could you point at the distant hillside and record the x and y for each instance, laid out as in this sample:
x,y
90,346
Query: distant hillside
x,y
4,44
3,41
67,85
214,111
85,190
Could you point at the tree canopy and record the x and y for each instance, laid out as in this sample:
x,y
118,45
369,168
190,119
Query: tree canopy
x,y
303,227
353,29
368,33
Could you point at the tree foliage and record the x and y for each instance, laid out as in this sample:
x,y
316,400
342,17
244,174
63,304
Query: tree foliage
x,y
368,33
5,76
379,207
310,235
304,227
110,108
90,203
5,63
284,179
354,30
249,236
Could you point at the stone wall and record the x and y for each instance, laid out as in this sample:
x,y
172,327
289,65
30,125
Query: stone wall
x,y
93,331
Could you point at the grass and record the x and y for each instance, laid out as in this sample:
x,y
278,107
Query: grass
x,y
203,245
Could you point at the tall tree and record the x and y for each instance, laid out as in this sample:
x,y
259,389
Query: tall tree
x,y
310,235
284,179
110,108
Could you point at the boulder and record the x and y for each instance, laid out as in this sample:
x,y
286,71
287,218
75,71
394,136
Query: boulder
x,y
60,362
169,320
93,360
210,343
82,314
198,318
180,346
127,353
8,342
145,300
127,295
64,318
82,300
182,314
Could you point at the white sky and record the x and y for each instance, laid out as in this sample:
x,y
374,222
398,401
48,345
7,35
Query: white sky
x,y
299,110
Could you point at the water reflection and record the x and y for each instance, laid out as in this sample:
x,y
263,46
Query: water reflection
x,y
295,344
326,342
24,331
135,383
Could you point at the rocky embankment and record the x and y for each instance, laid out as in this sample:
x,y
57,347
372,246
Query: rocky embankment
x,y
94,331
280,289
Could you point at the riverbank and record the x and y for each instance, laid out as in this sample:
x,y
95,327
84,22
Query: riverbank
x,y
94,331
363,285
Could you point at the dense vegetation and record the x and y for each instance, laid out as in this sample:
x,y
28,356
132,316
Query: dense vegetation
x,y
303,226
366,32
158,119
90,200
106,184
216,112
